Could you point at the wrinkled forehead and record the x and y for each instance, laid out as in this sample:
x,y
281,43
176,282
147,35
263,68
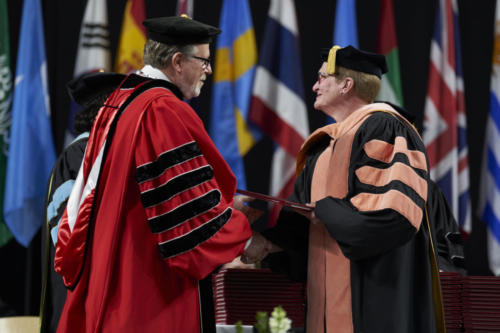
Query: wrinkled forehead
x,y
323,67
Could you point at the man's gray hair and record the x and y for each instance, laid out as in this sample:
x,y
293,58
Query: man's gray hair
x,y
159,55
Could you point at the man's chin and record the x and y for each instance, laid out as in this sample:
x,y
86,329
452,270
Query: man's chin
x,y
196,93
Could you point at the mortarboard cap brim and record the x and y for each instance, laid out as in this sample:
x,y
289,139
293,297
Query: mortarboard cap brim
x,y
361,61
179,30
86,87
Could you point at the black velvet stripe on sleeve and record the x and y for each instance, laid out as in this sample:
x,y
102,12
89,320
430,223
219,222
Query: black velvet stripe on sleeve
x,y
207,310
167,160
176,185
393,185
385,127
398,158
185,212
197,236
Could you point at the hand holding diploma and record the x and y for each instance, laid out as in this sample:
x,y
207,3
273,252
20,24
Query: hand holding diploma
x,y
309,214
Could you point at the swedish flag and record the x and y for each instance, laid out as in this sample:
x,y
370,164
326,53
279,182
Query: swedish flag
x,y
235,61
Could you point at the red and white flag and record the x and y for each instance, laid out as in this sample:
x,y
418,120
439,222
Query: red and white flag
x,y
277,104
445,126
185,7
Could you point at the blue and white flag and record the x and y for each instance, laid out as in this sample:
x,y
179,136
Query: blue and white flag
x,y
345,31
93,52
489,201
31,151
278,106
235,61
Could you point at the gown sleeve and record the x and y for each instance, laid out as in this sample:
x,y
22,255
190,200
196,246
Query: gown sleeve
x,y
450,245
387,190
195,227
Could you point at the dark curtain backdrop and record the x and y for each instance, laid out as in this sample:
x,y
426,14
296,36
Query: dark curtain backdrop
x,y
20,279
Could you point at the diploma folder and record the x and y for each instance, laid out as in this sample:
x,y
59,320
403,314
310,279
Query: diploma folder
x,y
268,198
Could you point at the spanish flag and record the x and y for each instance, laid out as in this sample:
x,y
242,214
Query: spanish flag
x,y
133,36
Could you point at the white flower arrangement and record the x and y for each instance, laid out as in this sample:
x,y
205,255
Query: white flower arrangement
x,y
279,322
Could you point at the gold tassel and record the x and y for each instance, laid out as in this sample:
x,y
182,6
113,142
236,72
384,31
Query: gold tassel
x,y
332,55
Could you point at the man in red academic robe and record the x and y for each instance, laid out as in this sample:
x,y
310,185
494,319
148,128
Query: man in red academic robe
x,y
151,214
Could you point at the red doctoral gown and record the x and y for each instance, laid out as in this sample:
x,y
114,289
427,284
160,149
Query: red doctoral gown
x,y
150,216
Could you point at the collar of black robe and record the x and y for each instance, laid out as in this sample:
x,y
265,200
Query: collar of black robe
x,y
133,80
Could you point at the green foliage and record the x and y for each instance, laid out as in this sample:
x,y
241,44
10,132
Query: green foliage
x,y
239,326
261,323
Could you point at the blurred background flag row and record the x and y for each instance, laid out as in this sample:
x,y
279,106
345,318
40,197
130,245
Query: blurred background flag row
x,y
31,150
277,105
445,125
234,70
489,201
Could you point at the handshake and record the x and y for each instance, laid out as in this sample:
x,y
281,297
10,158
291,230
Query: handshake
x,y
259,247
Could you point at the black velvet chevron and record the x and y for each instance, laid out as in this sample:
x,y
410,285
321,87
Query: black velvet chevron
x,y
176,185
189,241
167,160
185,212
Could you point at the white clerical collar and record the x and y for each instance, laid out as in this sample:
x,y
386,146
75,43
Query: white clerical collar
x,y
153,73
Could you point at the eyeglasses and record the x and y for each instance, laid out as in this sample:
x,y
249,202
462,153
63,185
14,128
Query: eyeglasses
x,y
206,61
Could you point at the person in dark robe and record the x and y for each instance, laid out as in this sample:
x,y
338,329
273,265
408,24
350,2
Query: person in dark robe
x,y
152,213
90,91
449,240
366,244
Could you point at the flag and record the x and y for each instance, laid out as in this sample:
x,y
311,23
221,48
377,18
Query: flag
x,y
185,7
93,51
5,102
489,201
277,104
31,151
387,45
235,62
133,37
445,133
345,31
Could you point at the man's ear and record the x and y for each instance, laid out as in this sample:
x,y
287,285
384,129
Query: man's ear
x,y
177,59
